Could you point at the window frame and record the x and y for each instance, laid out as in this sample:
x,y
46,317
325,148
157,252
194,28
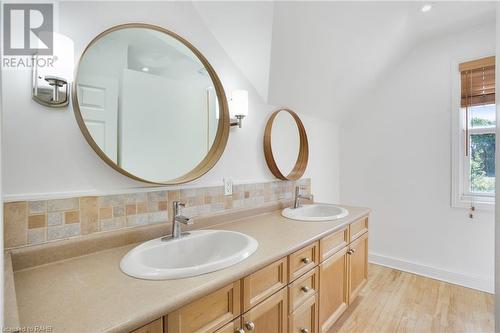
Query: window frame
x,y
461,197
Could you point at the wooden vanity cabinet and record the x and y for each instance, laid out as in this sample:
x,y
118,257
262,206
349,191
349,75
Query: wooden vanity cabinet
x,y
358,266
153,327
304,292
333,290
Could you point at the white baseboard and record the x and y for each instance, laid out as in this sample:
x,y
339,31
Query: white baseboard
x,y
481,283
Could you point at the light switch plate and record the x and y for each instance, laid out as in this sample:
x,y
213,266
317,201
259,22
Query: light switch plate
x,y
228,186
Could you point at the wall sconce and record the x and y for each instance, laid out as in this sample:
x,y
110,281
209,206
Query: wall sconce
x,y
52,75
238,107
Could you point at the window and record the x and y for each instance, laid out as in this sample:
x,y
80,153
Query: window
x,y
474,143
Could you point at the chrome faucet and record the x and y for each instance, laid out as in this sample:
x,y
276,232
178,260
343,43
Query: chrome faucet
x,y
177,220
298,196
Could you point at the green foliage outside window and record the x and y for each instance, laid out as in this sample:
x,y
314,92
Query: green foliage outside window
x,y
482,159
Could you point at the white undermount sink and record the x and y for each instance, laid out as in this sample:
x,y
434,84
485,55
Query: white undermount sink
x,y
200,252
315,212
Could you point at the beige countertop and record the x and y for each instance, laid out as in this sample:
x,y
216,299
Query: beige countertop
x,y
90,294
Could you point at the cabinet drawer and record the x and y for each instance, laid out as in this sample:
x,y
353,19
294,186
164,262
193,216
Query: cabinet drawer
x,y
270,316
209,313
153,327
263,283
303,260
333,243
305,318
358,228
302,289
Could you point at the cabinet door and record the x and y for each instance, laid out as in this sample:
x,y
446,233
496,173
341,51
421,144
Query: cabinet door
x,y
270,316
305,318
208,313
153,327
232,327
358,266
333,288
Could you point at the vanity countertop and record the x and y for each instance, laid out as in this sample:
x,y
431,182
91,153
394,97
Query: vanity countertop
x,y
89,293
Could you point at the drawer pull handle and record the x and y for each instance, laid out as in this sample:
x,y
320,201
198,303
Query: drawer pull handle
x,y
249,325
305,289
240,330
306,260
304,330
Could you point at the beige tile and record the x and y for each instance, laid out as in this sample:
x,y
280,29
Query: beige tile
x,y
142,207
36,221
62,204
174,195
37,207
88,215
55,218
15,224
162,205
63,231
111,200
138,219
131,209
111,224
37,236
228,202
72,217
118,211
105,213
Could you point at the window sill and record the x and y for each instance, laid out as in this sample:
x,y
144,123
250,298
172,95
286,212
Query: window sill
x,y
480,203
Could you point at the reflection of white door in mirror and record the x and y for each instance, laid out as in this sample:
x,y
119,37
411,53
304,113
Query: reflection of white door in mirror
x,y
98,99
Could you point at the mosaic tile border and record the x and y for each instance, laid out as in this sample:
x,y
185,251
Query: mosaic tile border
x,y
40,221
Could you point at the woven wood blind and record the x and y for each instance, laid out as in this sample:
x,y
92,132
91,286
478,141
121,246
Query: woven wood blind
x,y
478,82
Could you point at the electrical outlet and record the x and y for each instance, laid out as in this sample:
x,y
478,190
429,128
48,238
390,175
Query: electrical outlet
x,y
228,186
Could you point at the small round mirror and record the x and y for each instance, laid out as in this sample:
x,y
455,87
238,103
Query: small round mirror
x,y
285,145
150,104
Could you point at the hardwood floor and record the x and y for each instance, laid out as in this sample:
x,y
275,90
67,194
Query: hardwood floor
x,y
395,301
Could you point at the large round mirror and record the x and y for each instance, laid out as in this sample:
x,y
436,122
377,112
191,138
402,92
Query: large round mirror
x,y
285,145
150,104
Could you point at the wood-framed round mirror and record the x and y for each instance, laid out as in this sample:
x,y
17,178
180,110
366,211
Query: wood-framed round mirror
x,y
150,104
286,148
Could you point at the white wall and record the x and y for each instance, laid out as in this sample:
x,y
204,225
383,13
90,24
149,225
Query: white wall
x,y
46,154
395,158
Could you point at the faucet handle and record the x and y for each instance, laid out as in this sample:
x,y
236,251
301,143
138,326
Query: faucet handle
x,y
178,204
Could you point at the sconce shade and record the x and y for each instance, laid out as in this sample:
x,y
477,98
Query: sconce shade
x,y
239,103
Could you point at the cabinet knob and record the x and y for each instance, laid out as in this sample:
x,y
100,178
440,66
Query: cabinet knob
x,y
304,330
306,260
305,289
239,330
249,325
350,252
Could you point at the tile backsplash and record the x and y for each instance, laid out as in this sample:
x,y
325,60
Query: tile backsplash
x,y
35,222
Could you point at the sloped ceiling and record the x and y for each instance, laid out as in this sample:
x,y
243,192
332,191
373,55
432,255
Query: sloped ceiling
x,y
244,30
320,57
325,55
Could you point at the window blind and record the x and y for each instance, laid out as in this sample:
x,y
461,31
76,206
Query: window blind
x,y
478,82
